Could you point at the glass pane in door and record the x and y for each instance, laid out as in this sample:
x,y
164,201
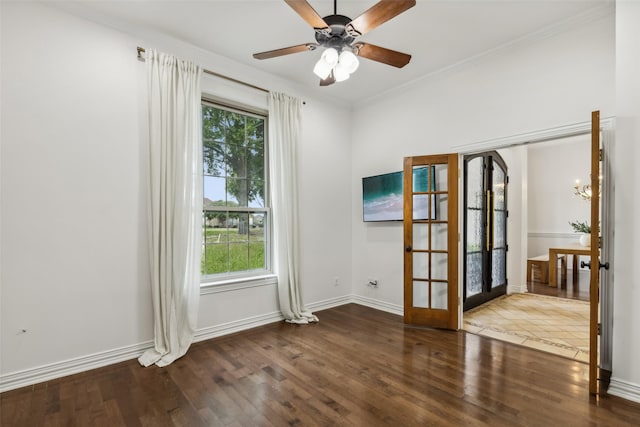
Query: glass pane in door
x,y
421,294
499,216
439,295
439,237
474,225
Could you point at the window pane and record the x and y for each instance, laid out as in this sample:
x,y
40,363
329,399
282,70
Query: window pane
x,y
238,256
215,259
238,227
236,158
257,241
255,174
214,191
237,192
213,158
256,193
214,220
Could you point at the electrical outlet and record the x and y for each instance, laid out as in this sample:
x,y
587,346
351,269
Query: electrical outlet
x,y
336,281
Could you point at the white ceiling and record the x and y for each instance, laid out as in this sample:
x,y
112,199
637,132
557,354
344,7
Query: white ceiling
x,y
437,33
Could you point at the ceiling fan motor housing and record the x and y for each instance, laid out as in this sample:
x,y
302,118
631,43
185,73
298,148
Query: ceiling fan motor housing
x,y
339,36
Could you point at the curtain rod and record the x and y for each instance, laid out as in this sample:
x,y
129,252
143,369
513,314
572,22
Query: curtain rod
x,y
141,50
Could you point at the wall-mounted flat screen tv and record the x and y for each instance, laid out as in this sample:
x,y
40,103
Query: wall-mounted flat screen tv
x,y
382,196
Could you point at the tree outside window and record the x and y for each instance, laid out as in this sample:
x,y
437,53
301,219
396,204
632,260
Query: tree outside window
x,y
235,226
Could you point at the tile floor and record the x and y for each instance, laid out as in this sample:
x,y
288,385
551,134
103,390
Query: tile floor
x,y
555,325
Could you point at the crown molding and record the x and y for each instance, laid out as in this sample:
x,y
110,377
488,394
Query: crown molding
x,y
579,20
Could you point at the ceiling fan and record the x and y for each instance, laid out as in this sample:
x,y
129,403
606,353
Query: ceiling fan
x,y
338,34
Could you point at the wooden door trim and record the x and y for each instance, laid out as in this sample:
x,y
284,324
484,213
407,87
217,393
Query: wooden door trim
x,y
594,280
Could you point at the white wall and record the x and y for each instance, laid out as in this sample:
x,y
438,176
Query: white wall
x,y
553,167
538,85
514,157
625,380
73,249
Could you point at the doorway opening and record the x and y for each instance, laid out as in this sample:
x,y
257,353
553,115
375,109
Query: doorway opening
x,y
544,173
524,242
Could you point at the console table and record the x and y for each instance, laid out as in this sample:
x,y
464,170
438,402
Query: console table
x,y
575,250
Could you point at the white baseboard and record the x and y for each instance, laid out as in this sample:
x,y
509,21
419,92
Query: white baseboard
x,y
52,371
76,365
329,303
517,289
55,370
236,326
378,305
624,389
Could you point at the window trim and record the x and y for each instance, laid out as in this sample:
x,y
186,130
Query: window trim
x,y
235,283
221,282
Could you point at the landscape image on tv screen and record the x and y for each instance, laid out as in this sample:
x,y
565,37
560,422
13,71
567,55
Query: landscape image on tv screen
x,y
382,196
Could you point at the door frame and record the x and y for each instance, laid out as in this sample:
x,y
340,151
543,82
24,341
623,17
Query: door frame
x,y
607,128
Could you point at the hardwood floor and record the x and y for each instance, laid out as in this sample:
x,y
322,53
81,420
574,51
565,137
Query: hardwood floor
x,y
578,290
357,367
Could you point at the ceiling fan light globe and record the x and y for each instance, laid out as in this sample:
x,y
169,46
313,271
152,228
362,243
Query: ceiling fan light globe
x,y
322,69
341,73
349,61
330,56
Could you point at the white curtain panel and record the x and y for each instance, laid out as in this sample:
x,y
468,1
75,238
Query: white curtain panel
x,y
284,136
175,200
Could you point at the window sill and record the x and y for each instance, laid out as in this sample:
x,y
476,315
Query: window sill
x,y
227,285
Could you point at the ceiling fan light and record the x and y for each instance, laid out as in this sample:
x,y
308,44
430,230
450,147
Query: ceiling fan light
x,y
341,73
349,61
330,56
322,69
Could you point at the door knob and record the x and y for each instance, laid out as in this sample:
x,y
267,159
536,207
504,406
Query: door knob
x,y
408,248
605,265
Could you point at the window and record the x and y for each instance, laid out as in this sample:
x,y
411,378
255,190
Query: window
x,y
235,210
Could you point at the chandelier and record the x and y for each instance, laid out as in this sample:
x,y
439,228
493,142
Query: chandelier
x,y
583,191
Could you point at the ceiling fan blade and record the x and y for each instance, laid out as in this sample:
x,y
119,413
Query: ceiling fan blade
x,y
329,80
381,54
378,14
308,13
286,51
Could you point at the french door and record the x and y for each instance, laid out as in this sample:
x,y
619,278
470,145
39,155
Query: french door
x,y
431,241
595,264
485,228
